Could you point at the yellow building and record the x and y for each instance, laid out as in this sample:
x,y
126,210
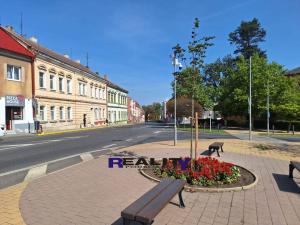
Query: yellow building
x,y
16,66
66,93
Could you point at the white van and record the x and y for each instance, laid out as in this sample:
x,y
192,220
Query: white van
x,y
2,131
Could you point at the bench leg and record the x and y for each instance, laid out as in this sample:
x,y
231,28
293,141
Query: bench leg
x,y
222,148
181,203
291,168
217,149
126,221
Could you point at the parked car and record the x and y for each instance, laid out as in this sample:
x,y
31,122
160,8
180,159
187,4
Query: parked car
x,y
2,131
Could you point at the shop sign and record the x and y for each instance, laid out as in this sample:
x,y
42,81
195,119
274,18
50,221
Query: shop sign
x,y
11,100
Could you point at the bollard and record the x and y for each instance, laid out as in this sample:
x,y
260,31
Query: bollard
x,y
293,129
273,129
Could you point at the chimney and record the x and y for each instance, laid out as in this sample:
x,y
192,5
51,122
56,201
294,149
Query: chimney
x,y
67,56
105,77
33,39
9,27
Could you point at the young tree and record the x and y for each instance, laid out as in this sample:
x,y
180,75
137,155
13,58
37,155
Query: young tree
x,y
247,38
190,80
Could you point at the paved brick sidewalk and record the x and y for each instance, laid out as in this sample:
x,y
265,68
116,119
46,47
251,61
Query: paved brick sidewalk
x,y
90,193
9,205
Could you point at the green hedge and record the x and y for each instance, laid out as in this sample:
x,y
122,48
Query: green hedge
x,y
262,124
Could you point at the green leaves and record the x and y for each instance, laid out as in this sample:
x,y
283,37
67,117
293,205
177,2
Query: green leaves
x,y
247,37
283,91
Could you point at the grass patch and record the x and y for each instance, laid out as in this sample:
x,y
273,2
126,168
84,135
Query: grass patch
x,y
201,130
263,147
280,134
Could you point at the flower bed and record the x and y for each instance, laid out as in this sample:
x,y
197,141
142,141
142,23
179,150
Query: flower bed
x,y
204,171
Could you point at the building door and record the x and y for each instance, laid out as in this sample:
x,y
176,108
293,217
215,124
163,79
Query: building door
x,y
13,113
9,117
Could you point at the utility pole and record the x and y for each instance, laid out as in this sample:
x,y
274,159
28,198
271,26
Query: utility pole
x,y
250,102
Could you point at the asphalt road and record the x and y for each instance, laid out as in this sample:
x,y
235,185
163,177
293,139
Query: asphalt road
x,y
21,152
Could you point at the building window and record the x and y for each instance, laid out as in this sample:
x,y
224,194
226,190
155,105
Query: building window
x,y
96,93
61,113
92,95
69,113
42,113
52,112
42,80
61,83
100,93
96,114
52,82
69,86
81,89
103,94
13,73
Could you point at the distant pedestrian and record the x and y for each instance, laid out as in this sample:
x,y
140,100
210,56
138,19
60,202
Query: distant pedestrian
x,y
84,120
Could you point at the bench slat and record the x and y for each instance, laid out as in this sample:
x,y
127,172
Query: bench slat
x,y
147,214
217,144
131,211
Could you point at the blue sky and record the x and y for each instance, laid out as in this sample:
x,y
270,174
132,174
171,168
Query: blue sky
x,y
131,40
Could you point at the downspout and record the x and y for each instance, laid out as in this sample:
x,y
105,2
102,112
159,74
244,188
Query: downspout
x,y
33,85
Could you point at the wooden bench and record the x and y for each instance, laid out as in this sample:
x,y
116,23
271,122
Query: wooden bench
x,y
216,146
151,203
292,166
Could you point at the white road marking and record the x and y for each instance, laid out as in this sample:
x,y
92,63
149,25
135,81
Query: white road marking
x,y
6,147
108,146
130,139
157,132
141,136
36,172
47,163
86,156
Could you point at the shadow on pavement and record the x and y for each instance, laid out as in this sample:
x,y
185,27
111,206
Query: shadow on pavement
x,y
286,184
118,222
206,153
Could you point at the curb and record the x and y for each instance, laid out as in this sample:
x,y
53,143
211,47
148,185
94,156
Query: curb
x,y
81,129
211,190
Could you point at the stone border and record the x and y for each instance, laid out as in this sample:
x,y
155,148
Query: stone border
x,y
200,189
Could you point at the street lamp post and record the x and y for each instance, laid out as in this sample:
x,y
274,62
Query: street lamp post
x,y
175,108
268,108
250,102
